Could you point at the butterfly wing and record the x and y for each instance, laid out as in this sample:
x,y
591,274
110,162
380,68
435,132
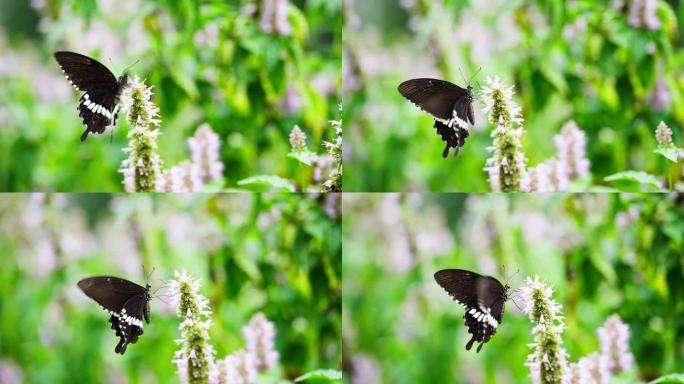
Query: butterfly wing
x,y
110,292
128,323
85,73
98,110
460,285
483,298
434,96
449,104
125,301
97,107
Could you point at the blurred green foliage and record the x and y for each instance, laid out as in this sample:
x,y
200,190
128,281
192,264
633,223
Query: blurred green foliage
x,y
279,254
603,254
209,62
578,60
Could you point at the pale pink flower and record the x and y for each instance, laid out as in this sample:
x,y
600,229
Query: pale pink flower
x,y
614,337
204,151
259,335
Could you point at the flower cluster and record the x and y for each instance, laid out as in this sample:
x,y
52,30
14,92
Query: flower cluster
x,y
184,177
195,359
592,368
242,366
205,165
571,147
334,181
297,139
204,151
274,17
237,368
142,168
663,135
642,14
614,337
571,162
507,166
547,362
549,176
259,335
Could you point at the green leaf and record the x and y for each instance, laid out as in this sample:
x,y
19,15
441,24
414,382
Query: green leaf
x,y
321,375
303,156
637,177
670,152
676,378
276,182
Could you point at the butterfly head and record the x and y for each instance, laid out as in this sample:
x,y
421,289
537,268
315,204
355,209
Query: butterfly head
x,y
124,80
469,93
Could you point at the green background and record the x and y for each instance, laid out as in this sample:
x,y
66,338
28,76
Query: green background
x,y
603,254
578,60
278,254
209,62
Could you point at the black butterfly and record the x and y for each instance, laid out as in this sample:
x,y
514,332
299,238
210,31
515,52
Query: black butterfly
x,y
449,104
98,106
126,301
483,298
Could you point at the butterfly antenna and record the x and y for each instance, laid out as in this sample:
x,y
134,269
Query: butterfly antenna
x,y
131,66
463,77
471,79
147,278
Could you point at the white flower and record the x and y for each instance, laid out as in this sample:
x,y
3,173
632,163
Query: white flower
x,y
195,358
663,135
498,102
547,361
297,139
507,168
142,168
